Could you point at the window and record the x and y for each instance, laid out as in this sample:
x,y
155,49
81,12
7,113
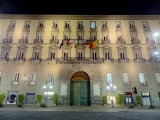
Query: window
x,y
16,77
93,37
104,25
153,55
118,25
36,55
9,36
137,55
21,55
24,37
145,25
5,55
94,55
67,24
157,77
39,37
105,37
149,38
65,56
131,25
107,55
125,78
80,56
109,78
55,25
33,79
27,24
93,25
50,77
0,76
54,37
66,37
80,25
122,55
133,38
41,24
80,37
120,40
52,57
12,25
141,76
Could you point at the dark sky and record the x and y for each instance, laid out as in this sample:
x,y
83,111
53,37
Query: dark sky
x,y
106,7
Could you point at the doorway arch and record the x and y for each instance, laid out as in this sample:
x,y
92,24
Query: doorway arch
x,y
80,89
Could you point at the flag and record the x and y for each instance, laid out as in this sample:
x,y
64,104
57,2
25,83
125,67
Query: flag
x,y
93,44
61,45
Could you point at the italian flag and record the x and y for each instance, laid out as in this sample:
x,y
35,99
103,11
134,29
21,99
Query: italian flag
x,y
93,44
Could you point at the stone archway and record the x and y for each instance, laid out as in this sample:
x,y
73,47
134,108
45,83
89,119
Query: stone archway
x,y
80,89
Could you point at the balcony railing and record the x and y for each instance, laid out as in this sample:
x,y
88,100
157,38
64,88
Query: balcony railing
x,y
139,60
152,41
55,28
154,60
40,28
67,28
52,41
36,60
7,41
108,60
36,41
126,83
26,28
136,41
80,27
17,59
49,59
118,29
104,28
4,59
143,83
23,41
133,28
123,60
121,41
106,42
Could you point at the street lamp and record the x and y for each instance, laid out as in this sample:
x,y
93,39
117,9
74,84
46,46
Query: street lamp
x,y
111,87
47,86
157,51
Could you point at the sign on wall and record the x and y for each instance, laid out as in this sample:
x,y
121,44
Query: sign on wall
x,y
96,89
63,89
12,98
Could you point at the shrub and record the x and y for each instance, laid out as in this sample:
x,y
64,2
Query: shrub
x,y
42,105
2,96
55,98
39,98
104,99
138,99
119,99
131,106
152,106
19,104
21,98
1,104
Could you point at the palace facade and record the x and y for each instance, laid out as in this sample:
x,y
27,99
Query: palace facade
x,y
54,49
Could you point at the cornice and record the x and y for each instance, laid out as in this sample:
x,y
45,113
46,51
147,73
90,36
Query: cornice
x,y
79,17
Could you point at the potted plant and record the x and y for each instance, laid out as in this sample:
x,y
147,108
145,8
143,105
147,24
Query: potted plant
x,y
54,99
104,99
138,100
42,105
131,106
119,99
39,99
152,106
20,100
2,96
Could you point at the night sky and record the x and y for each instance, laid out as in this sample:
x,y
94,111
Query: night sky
x,y
99,7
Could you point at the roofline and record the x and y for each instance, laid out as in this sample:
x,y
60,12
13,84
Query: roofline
x,y
79,17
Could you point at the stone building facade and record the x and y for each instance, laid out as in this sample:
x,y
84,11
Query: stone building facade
x,y
125,57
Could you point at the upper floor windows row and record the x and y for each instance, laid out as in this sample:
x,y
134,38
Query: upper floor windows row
x,y
80,26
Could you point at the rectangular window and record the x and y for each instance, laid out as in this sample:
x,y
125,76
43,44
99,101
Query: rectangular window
x,y
0,76
52,56
66,37
24,37
65,55
157,77
105,37
153,55
36,55
55,24
118,25
12,24
33,79
94,55
142,79
27,24
137,55
107,55
54,37
93,37
80,25
131,25
133,38
16,77
120,40
39,37
109,78
67,24
5,55
21,55
80,37
145,25
50,77
104,25
93,25
122,55
9,37
41,24
125,78
80,56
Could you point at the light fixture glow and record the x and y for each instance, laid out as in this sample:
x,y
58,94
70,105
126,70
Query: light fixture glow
x,y
107,87
50,86
114,87
156,34
110,84
44,86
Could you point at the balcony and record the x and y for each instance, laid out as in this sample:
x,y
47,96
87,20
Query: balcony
x,y
11,27
133,28
80,27
143,83
7,41
104,28
35,60
123,60
67,28
4,59
19,60
139,59
49,59
26,27
55,28
126,83
154,60
40,28
150,41
118,29
108,60
15,83
136,41
37,41
23,41
52,41
120,42
106,42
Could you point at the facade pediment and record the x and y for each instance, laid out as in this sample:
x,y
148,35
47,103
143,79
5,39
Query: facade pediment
x,y
121,47
151,47
6,47
136,47
22,47
37,47
106,47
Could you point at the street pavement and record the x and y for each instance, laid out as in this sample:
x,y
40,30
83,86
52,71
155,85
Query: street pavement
x,y
77,113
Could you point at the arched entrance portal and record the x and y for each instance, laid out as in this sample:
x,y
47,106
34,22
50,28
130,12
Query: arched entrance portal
x,y
80,89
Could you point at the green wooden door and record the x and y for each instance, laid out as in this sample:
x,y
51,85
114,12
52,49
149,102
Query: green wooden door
x,y
80,95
